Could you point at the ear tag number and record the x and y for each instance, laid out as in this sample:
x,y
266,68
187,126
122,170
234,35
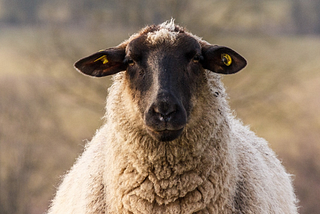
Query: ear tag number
x,y
226,59
103,59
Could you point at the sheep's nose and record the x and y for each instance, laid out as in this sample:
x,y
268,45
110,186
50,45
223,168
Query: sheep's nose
x,y
165,106
164,109
166,117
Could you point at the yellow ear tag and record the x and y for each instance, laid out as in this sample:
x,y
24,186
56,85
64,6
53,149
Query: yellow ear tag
x,y
103,59
226,59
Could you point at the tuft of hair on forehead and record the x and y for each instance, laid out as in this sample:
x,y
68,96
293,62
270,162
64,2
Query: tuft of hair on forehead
x,y
165,32
168,31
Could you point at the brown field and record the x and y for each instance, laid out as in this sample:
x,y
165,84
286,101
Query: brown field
x,y
48,110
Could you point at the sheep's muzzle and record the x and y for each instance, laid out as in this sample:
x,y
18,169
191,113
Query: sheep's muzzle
x,y
166,117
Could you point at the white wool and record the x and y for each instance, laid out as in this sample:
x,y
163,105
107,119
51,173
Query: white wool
x,y
165,33
168,25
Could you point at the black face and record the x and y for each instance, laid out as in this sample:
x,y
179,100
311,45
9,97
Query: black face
x,y
163,77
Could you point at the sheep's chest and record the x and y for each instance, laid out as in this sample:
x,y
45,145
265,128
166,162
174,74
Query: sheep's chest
x,y
164,188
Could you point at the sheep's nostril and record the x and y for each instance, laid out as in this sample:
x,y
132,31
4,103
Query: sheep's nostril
x,y
164,110
166,118
163,116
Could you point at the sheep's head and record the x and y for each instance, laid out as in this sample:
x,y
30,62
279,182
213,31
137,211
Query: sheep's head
x,y
164,67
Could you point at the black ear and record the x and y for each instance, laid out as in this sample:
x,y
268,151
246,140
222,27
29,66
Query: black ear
x,y
222,60
103,63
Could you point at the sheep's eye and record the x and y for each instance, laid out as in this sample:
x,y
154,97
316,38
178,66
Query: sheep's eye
x,y
130,62
196,59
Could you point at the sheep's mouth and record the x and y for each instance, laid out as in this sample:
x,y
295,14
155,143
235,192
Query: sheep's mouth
x,y
165,135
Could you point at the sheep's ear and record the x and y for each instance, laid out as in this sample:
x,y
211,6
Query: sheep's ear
x,y
222,60
103,63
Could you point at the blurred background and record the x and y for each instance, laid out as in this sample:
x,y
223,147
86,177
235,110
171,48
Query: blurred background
x,y
48,111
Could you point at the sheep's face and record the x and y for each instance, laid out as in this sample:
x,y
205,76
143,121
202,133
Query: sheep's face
x,y
163,77
164,73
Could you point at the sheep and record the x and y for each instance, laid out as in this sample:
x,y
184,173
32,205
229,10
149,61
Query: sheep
x,y
170,143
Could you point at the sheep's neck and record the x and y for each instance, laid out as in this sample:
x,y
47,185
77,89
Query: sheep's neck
x,y
173,177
